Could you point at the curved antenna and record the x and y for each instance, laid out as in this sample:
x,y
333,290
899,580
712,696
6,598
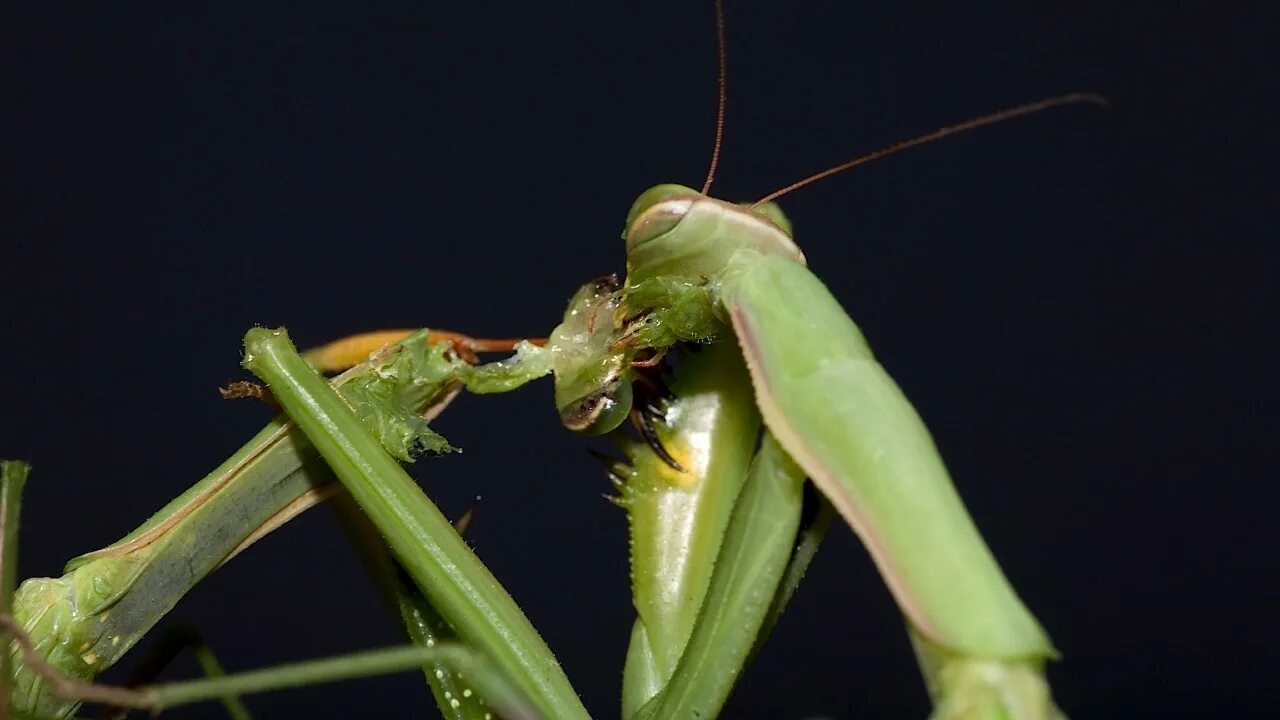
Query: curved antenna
x,y
715,150
993,118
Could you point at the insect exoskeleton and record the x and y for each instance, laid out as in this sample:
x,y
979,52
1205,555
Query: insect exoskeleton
x,y
678,242
592,389
675,231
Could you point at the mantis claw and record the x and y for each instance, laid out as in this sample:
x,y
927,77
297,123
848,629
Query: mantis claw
x,y
643,422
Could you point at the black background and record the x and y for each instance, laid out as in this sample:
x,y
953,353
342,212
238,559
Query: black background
x,y
1079,303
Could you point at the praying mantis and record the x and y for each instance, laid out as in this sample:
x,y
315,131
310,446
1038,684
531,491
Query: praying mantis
x,y
704,272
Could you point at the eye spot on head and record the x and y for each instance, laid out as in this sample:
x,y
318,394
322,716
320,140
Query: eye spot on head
x,y
585,414
658,221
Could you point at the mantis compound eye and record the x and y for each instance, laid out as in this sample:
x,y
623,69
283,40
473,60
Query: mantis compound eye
x,y
677,232
656,212
600,411
657,222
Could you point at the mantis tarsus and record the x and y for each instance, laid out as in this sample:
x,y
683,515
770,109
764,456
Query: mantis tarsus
x,y
701,271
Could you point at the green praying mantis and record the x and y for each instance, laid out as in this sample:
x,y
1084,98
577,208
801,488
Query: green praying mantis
x,y
759,414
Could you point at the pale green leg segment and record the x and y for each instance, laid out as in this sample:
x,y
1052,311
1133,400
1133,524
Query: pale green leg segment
x,y
872,456
678,519
806,547
753,559
506,699
678,528
679,537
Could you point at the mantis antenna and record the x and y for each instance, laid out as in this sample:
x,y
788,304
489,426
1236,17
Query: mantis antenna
x,y
992,119
721,81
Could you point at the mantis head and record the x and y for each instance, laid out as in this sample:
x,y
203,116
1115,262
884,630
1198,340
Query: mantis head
x,y
674,230
592,380
673,233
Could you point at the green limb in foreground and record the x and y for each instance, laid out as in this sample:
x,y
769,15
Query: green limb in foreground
x,y
752,563
677,517
503,697
708,426
453,695
454,581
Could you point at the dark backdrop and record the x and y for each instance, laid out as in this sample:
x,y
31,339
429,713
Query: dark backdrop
x,y
1076,302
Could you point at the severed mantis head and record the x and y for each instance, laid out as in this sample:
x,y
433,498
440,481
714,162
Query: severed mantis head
x,y
592,385
678,244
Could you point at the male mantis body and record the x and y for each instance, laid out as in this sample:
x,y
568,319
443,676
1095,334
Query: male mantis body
x,y
841,418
